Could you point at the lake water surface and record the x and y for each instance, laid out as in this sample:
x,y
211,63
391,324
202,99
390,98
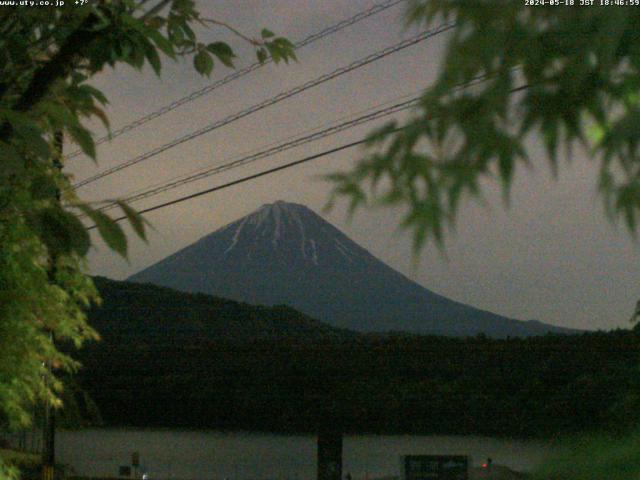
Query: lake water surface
x,y
169,454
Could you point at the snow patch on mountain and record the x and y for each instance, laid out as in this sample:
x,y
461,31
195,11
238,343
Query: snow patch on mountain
x,y
314,253
236,235
296,218
344,250
282,225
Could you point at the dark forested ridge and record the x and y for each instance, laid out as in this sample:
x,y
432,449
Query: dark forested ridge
x,y
158,316
170,359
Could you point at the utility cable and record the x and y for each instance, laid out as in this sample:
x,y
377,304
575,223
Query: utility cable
x,y
244,179
279,142
372,113
239,160
375,9
269,152
267,172
278,98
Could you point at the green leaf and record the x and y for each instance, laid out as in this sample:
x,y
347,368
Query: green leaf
x,y
59,115
149,32
135,219
175,33
188,31
161,42
281,49
262,55
156,22
203,63
43,187
36,143
286,49
290,53
135,58
29,132
223,52
11,163
596,133
98,112
153,58
274,51
267,33
62,232
109,230
83,138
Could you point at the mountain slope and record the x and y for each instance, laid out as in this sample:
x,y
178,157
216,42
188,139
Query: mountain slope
x,y
284,253
147,314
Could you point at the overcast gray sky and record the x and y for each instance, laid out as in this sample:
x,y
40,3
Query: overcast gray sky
x,y
552,255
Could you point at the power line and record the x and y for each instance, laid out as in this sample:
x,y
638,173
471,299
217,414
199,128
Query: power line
x,y
278,98
281,147
270,151
344,123
245,179
300,138
269,145
375,9
282,167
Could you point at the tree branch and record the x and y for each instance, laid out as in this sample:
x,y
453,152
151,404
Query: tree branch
x,y
252,41
152,11
58,67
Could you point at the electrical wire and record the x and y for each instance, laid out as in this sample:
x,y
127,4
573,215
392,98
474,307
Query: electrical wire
x,y
244,179
273,100
274,169
375,9
269,152
279,142
298,139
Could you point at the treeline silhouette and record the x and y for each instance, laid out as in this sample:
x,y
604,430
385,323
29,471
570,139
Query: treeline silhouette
x,y
169,359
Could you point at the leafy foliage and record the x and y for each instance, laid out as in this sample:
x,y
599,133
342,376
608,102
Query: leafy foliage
x,y
568,75
47,59
13,462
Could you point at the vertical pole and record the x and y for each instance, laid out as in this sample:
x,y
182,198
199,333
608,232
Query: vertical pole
x,y
48,441
49,430
49,434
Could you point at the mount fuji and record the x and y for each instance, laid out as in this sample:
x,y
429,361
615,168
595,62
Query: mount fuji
x,y
284,253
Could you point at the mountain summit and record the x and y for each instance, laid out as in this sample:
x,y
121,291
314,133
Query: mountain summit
x,y
284,253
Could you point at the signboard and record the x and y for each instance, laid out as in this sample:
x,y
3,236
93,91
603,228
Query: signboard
x,y
434,467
